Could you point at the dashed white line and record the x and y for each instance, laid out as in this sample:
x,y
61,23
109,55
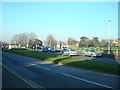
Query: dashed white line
x,y
86,80
79,78
44,68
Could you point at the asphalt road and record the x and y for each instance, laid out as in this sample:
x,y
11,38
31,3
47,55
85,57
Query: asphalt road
x,y
100,59
40,74
9,78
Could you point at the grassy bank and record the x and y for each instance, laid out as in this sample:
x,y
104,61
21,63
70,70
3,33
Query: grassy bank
x,y
69,61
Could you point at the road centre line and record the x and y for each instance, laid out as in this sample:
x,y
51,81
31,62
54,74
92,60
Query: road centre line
x,y
86,80
44,67
79,78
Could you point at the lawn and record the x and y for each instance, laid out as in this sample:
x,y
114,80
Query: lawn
x,y
69,61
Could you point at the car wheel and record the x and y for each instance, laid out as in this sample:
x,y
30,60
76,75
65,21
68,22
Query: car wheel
x,y
91,55
83,54
63,54
69,55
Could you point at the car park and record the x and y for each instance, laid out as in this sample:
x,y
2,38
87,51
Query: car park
x,y
70,52
91,52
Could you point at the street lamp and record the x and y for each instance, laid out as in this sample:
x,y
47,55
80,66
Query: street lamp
x,y
109,20
50,41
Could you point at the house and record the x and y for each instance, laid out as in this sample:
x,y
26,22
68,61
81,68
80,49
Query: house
x,y
74,45
116,42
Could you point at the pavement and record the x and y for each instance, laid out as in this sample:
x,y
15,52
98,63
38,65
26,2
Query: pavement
x,y
48,75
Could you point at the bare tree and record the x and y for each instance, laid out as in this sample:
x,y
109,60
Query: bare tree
x,y
50,41
20,39
60,43
103,43
71,41
24,39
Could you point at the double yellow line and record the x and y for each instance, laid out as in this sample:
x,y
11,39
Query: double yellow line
x,y
26,80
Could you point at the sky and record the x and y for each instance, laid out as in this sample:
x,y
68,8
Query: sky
x,y
61,19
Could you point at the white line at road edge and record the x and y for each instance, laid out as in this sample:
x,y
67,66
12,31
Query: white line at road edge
x,y
86,80
26,80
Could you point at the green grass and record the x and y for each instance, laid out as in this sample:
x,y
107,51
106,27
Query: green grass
x,y
69,61
32,53
95,66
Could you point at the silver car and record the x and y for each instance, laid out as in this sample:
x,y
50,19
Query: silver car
x,y
91,52
70,52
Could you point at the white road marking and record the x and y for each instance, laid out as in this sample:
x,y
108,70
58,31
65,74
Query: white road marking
x,y
26,80
44,68
79,78
86,80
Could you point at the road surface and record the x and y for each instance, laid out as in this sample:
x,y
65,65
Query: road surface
x,y
40,74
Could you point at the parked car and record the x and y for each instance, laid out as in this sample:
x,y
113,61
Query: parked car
x,y
91,52
70,52
45,49
52,49
62,50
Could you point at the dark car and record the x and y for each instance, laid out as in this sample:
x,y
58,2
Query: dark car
x,y
52,49
62,50
45,49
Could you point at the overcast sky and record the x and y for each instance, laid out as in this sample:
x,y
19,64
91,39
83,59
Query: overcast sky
x,y
62,19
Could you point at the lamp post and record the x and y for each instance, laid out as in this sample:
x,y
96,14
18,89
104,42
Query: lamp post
x,y
109,36
50,41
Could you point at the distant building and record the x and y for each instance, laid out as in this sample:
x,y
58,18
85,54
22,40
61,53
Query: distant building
x,y
11,46
62,45
74,46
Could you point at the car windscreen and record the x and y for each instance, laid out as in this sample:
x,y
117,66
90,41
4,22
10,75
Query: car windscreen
x,y
72,50
92,50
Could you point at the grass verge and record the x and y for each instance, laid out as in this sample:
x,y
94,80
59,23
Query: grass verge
x,y
102,67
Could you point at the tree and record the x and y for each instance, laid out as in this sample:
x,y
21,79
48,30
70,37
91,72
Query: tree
x,y
50,41
20,39
25,39
84,41
103,43
95,41
35,43
71,41
60,43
